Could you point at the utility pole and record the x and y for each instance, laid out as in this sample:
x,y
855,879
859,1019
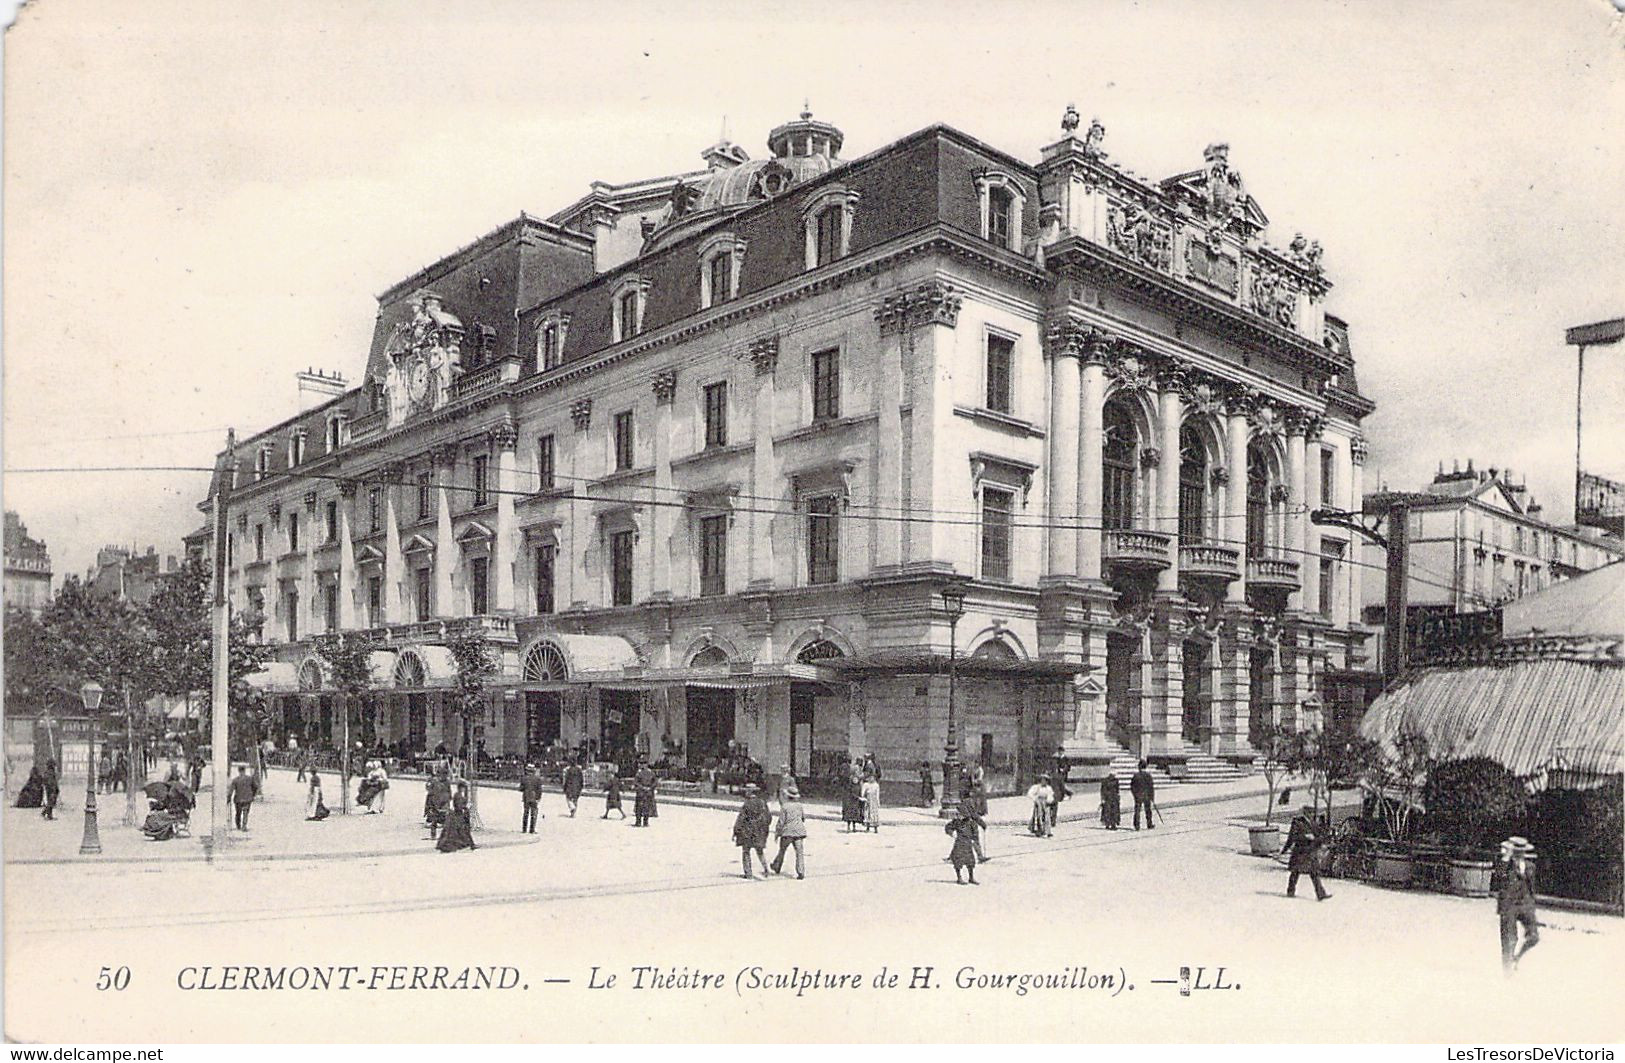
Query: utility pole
x,y
220,720
1599,334
1396,599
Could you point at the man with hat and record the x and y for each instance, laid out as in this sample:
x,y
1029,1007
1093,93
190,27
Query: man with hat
x,y
1303,841
241,790
750,829
1515,900
530,796
792,829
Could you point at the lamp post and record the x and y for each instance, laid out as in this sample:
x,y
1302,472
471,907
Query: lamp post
x,y
91,695
953,604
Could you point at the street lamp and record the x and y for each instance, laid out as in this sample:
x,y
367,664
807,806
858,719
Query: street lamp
x,y
953,604
91,695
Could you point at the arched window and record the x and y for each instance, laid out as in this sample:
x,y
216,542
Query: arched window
x,y
1192,486
1258,498
1117,475
409,671
995,650
545,663
710,657
310,676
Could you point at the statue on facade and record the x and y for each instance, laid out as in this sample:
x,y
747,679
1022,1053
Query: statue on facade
x,y
1222,188
1070,120
1093,139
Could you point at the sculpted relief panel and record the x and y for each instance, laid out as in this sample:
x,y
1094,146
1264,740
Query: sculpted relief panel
x,y
424,358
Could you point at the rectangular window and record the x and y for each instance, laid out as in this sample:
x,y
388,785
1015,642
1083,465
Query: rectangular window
x,y
259,542
716,414
997,509
623,441
823,540
231,550
375,601
544,463
828,235
1000,350
826,385
721,278
1331,554
478,586
330,606
375,509
550,346
482,479
425,594
714,555
293,616
620,561
998,216
546,559
332,521
425,495
1328,477
293,531
297,453
334,433
630,325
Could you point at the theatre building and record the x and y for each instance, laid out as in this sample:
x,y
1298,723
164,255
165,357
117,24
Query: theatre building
x,y
714,457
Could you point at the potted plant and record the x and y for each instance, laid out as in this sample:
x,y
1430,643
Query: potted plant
x,y
1473,803
1277,747
1343,853
1396,778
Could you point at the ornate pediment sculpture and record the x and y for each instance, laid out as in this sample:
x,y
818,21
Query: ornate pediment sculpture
x,y
423,359
1132,231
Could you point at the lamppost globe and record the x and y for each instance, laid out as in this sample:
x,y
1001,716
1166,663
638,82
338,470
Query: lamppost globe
x,y
953,607
953,603
91,695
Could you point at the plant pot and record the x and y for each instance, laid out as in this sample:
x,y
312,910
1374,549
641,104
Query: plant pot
x,y
1392,867
1265,840
1470,877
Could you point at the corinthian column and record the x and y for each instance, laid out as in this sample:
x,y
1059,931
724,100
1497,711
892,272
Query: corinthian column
x,y
891,316
764,356
1091,454
1064,347
664,386
347,579
1168,415
1234,521
504,551
1296,422
306,601
1313,425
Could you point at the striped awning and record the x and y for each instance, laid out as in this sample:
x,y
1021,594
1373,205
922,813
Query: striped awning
x,y
1532,715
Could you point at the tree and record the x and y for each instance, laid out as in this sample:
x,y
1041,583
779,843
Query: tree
x,y
476,666
1474,802
1278,747
1396,777
31,680
1330,761
349,662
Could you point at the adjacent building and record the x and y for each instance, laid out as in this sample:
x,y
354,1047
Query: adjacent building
x,y
28,567
120,572
712,458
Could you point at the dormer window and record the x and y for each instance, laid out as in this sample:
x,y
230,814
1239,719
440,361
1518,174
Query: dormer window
x,y
828,219
720,261
296,447
335,432
550,341
1001,200
627,308
262,462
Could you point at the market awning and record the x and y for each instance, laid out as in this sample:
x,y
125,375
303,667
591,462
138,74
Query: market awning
x,y
274,677
937,664
1533,715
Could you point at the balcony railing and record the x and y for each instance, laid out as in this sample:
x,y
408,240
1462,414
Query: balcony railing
x,y
1210,561
1135,549
1276,573
494,628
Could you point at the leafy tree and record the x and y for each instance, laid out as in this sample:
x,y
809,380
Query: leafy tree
x,y
31,680
177,617
1474,802
1279,746
1330,760
1396,777
477,665
349,662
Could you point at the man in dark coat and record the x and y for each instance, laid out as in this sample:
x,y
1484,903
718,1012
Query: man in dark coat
x,y
241,790
643,796
975,801
530,796
750,830
436,801
1111,809
1144,790
1303,842
574,782
1515,901
1058,789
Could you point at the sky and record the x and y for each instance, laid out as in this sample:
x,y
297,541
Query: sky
x,y
202,199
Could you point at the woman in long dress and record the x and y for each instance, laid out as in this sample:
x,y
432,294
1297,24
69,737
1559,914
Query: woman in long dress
x,y
1111,808
612,795
871,804
160,824
1040,794
458,834
852,804
436,800
963,827
313,794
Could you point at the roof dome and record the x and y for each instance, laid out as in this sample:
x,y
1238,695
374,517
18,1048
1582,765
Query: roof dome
x,y
803,151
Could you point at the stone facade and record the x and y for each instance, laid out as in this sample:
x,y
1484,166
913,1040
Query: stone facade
x,y
715,490
28,568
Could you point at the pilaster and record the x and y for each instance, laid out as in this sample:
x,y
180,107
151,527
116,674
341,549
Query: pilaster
x,y
445,546
395,580
764,356
1064,349
504,552
347,580
664,386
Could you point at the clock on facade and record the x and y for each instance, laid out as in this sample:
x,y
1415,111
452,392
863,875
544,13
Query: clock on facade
x,y
417,381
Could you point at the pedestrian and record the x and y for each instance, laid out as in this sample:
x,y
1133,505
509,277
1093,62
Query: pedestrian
x,y
313,798
872,766
928,792
50,789
367,790
574,782
1303,841
852,802
530,796
750,830
976,797
787,781
871,804
380,781
436,800
241,791
1514,885
104,771
458,833
305,764
1040,794
1111,805
1059,791
612,795
121,773
1144,790
197,772
965,827
643,799
792,829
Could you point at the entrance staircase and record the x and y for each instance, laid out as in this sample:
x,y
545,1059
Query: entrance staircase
x,y
1201,768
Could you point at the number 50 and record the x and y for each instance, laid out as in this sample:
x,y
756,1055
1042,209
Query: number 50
x,y
113,979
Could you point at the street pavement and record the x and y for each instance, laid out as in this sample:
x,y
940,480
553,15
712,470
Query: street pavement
x,y
1368,965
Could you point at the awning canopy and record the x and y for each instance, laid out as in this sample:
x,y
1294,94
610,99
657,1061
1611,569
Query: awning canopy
x,y
381,666
274,677
1533,715
589,656
938,663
